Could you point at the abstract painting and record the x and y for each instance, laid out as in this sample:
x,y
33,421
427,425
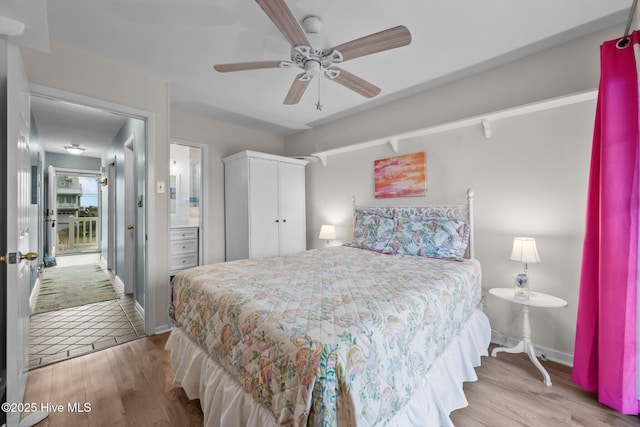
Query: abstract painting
x,y
401,176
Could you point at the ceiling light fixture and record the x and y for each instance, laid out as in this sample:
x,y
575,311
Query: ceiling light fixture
x,y
74,149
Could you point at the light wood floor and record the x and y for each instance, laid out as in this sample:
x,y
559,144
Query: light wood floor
x,y
131,385
126,385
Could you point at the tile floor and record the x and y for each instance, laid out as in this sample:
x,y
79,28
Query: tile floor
x,y
71,332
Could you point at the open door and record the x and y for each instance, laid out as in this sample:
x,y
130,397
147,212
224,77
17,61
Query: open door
x,y
15,268
111,216
52,212
129,276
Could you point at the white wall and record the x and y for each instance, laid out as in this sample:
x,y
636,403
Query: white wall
x,y
530,178
223,139
76,71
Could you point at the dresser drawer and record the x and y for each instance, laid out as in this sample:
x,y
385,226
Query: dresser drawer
x,y
183,234
177,263
183,247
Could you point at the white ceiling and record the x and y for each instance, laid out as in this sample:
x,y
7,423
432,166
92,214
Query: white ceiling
x,y
63,123
181,40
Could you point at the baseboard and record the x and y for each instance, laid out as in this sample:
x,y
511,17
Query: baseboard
x,y
119,283
542,352
139,309
162,329
34,294
102,262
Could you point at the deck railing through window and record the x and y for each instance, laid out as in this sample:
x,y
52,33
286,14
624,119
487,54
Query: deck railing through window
x,y
82,234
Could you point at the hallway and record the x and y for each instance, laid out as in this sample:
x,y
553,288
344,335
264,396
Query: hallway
x,y
70,332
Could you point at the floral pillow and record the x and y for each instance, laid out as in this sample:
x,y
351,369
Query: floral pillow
x,y
373,231
434,238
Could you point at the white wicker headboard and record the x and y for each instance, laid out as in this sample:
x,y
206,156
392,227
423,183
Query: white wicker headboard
x,y
462,212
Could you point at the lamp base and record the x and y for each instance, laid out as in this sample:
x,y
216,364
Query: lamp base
x,y
521,286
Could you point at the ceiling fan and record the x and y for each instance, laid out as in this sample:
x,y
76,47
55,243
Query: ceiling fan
x,y
316,62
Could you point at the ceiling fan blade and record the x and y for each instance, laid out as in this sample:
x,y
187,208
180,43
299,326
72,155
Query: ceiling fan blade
x,y
355,83
242,66
384,40
296,90
281,16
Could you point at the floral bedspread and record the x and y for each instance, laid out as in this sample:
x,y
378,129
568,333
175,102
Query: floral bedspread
x,y
328,333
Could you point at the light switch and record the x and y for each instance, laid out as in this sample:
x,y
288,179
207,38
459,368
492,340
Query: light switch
x,y
160,186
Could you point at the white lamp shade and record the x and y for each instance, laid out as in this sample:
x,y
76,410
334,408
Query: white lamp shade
x,y
327,232
524,250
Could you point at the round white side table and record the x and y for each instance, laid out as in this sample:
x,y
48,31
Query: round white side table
x,y
536,299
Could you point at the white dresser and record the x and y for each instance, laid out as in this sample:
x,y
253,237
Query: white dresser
x,y
264,205
183,249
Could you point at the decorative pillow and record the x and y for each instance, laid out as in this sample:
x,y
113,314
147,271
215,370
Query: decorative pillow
x,y
373,231
434,238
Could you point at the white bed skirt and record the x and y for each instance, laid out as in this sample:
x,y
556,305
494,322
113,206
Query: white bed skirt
x,y
225,403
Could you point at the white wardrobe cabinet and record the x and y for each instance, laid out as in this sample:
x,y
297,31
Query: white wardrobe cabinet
x,y
264,205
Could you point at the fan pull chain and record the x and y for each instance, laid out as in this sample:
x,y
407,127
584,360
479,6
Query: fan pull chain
x,y
318,105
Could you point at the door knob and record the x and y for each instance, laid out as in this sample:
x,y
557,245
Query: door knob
x,y
10,258
29,256
130,227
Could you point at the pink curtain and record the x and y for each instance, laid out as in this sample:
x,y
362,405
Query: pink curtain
x,y
606,336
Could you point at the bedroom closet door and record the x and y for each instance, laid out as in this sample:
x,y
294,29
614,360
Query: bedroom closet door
x,y
292,227
263,208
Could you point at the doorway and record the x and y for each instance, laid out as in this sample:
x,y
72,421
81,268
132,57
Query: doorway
x,y
99,241
188,187
76,201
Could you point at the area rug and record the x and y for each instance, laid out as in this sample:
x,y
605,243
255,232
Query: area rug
x,y
64,287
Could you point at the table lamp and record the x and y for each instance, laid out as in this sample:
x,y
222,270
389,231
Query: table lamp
x,y
327,232
524,251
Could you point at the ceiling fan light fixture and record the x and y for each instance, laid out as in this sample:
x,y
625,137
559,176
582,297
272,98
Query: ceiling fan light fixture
x,y
312,67
312,24
74,149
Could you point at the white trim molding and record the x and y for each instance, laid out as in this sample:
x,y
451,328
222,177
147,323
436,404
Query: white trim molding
x,y
543,353
119,283
139,309
483,120
162,329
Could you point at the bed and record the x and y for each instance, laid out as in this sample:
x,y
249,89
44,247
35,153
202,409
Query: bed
x,y
382,331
